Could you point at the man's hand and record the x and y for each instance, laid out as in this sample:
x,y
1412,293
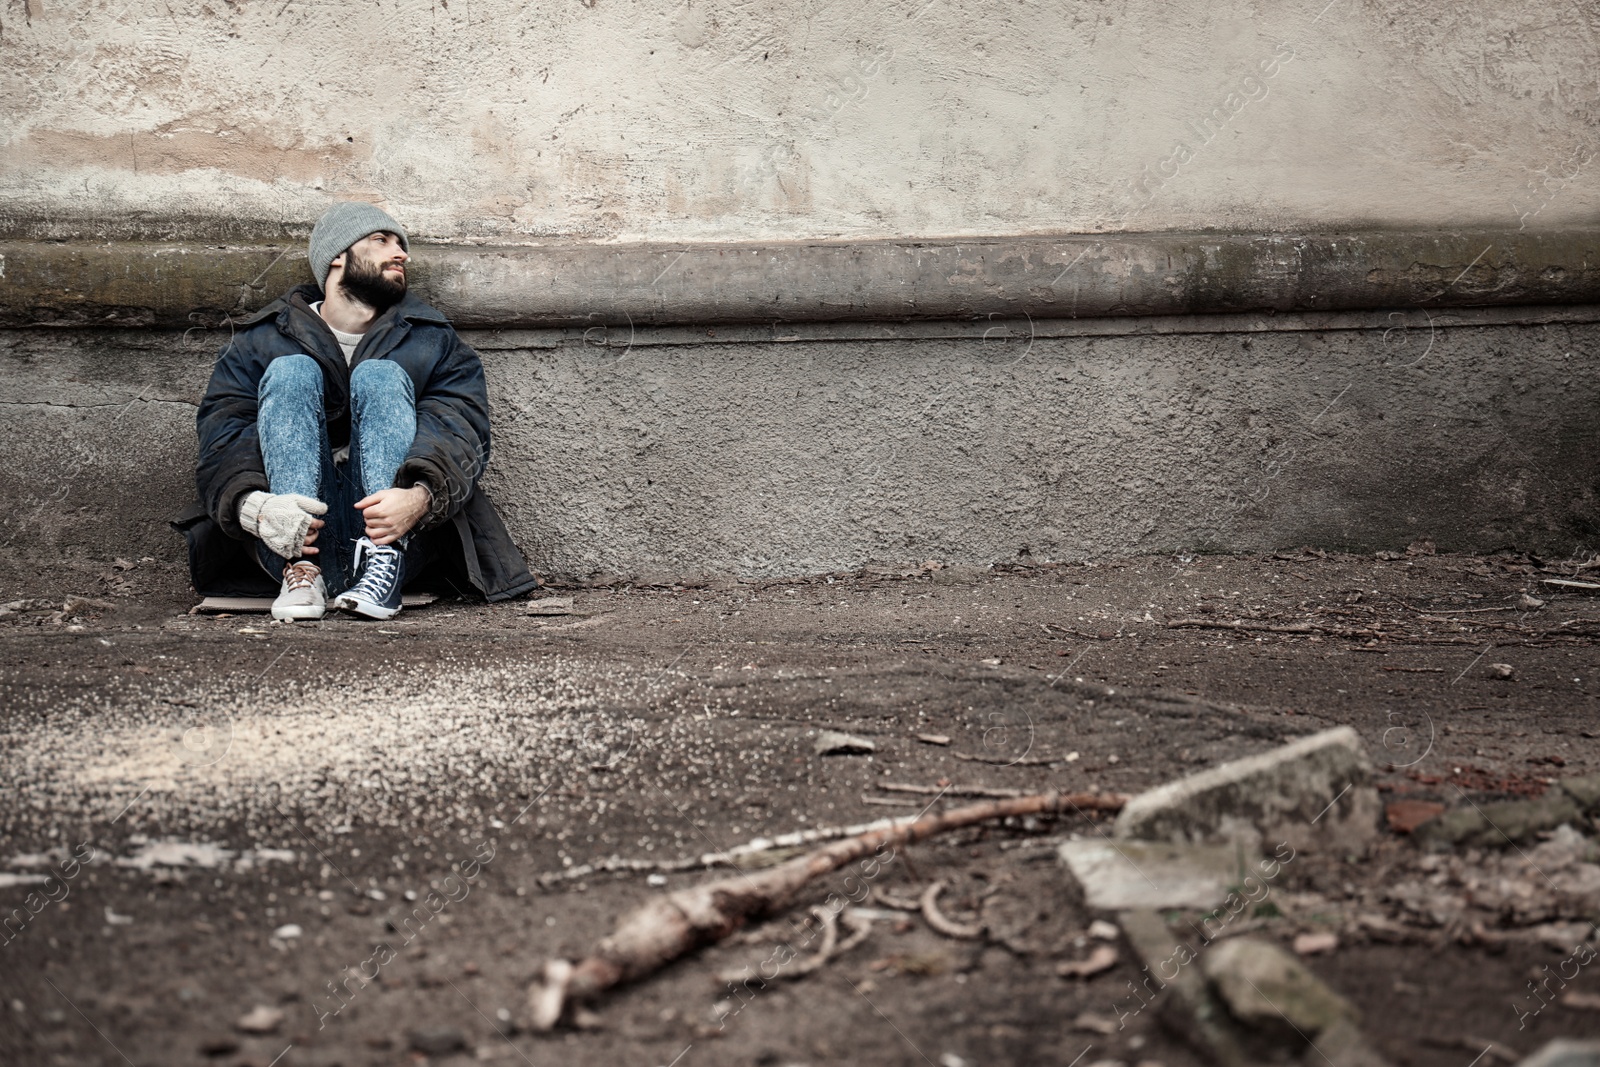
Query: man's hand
x,y
287,523
391,513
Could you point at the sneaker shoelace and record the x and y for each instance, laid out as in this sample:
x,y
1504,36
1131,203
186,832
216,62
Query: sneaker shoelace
x,y
379,571
301,575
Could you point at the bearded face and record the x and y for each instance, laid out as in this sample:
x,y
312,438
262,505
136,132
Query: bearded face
x,y
379,283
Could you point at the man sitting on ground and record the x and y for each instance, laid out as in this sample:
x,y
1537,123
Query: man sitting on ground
x,y
341,441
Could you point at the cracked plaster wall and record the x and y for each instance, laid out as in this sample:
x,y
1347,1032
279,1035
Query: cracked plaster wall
x,y
728,120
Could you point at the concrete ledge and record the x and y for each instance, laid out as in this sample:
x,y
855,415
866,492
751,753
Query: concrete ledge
x,y
185,284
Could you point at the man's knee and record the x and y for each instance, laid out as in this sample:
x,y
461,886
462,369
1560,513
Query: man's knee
x,y
379,376
296,373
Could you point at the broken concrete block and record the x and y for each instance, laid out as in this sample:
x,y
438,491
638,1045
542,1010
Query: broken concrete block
x,y
1271,992
1187,1005
1498,825
1193,1006
1142,874
1564,1052
1586,791
1314,792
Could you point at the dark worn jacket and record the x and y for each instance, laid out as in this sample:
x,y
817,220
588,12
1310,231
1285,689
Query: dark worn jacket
x,y
449,452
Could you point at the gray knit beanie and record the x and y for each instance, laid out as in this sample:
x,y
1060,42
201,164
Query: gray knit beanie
x,y
341,226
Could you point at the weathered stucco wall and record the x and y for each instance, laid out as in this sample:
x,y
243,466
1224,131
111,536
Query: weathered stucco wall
x,y
728,120
763,458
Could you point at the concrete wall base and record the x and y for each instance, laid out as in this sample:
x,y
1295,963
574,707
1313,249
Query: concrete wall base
x,y
756,455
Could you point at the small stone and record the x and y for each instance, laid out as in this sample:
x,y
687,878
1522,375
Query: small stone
x,y
1317,941
287,932
834,743
934,739
656,881
1532,603
260,1020
1095,1024
438,1040
1269,990
1103,958
1499,825
1314,791
220,1045
1101,930
1502,670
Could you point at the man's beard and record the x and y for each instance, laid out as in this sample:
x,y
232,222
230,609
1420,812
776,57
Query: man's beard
x,y
364,281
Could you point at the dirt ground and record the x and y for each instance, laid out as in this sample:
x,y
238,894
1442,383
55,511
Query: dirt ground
x,y
259,808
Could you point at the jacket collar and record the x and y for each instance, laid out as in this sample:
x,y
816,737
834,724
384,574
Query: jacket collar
x,y
410,308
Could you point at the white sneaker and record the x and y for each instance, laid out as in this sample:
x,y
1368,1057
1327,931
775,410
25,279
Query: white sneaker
x,y
303,596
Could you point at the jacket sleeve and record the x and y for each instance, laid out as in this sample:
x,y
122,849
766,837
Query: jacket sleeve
x,y
451,447
229,464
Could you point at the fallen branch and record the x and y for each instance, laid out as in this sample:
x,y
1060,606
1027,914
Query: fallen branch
x,y
729,858
674,924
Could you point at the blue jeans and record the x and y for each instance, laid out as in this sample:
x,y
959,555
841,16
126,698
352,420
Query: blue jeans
x,y
293,429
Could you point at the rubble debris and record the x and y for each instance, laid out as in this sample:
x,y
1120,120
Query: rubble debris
x,y
1143,874
834,743
1503,671
1314,791
1508,822
260,1020
1271,992
1188,1007
672,924
1556,880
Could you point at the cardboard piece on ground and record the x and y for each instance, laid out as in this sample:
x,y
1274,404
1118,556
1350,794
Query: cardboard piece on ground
x,y
550,605
247,605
